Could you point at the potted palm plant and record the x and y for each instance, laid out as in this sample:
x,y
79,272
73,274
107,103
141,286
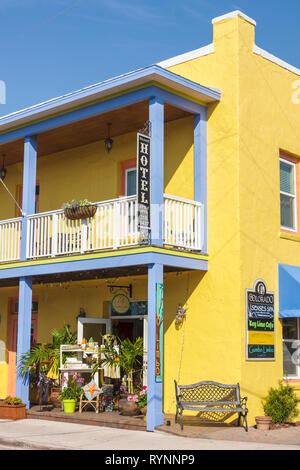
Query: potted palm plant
x,y
128,357
76,210
44,359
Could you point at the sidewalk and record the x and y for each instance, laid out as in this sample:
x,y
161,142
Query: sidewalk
x,y
49,435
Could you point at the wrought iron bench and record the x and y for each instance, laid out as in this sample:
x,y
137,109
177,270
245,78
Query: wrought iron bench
x,y
210,397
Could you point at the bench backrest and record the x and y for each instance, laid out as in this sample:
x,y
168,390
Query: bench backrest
x,y
206,393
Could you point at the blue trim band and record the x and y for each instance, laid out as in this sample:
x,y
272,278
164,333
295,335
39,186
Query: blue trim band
x,y
109,262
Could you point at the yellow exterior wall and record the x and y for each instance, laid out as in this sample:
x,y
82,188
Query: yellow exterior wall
x,y
59,304
268,123
209,344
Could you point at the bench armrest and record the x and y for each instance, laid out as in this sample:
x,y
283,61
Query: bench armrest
x,y
244,401
177,392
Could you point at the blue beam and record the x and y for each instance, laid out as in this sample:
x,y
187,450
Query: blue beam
x,y
29,186
200,167
156,117
41,268
155,416
24,334
178,101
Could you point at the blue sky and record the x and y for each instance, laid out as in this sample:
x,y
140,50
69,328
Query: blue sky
x,y
51,47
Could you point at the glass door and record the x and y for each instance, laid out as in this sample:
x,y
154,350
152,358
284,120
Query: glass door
x,y
93,328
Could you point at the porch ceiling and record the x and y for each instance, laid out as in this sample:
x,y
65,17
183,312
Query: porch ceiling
x,y
76,276
124,120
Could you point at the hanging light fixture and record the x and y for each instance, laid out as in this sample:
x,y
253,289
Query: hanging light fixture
x,y
108,141
3,170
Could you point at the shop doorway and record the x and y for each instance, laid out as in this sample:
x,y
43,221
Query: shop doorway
x,y
13,338
133,328
130,328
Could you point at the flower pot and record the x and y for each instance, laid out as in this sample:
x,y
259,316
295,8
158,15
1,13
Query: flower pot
x,y
144,412
69,405
55,391
83,212
263,423
128,408
12,411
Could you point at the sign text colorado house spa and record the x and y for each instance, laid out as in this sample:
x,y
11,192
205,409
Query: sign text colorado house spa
x,y
202,215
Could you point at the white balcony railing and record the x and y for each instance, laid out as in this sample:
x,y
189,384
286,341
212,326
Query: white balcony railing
x,y
10,239
114,225
183,223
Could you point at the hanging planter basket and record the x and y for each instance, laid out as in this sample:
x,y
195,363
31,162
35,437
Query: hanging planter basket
x,y
75,211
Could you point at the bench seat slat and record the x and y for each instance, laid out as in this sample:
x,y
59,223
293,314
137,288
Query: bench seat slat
x,y
210,403
214,409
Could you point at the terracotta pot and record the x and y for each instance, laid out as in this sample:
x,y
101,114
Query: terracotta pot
x,y
128,408
55,391
263,423
12,411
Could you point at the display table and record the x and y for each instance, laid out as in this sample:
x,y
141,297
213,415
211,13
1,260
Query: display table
x,y
78,364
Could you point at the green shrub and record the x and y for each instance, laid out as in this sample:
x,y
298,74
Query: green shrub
x,y
281,403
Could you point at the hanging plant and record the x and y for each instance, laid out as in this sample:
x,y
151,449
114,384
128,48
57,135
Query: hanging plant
x,y
76,210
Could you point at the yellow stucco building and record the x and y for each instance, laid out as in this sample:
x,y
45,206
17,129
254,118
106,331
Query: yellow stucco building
x,y
223,214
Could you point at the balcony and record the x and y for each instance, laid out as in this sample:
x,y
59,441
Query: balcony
x,y
114,226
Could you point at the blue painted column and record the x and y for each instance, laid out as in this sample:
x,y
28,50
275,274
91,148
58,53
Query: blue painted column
x,y
156,117
25,283
200,167
24,331
29,186
155,416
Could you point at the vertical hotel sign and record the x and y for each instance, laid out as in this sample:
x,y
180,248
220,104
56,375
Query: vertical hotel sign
x,y
260,320
159,332
143,183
